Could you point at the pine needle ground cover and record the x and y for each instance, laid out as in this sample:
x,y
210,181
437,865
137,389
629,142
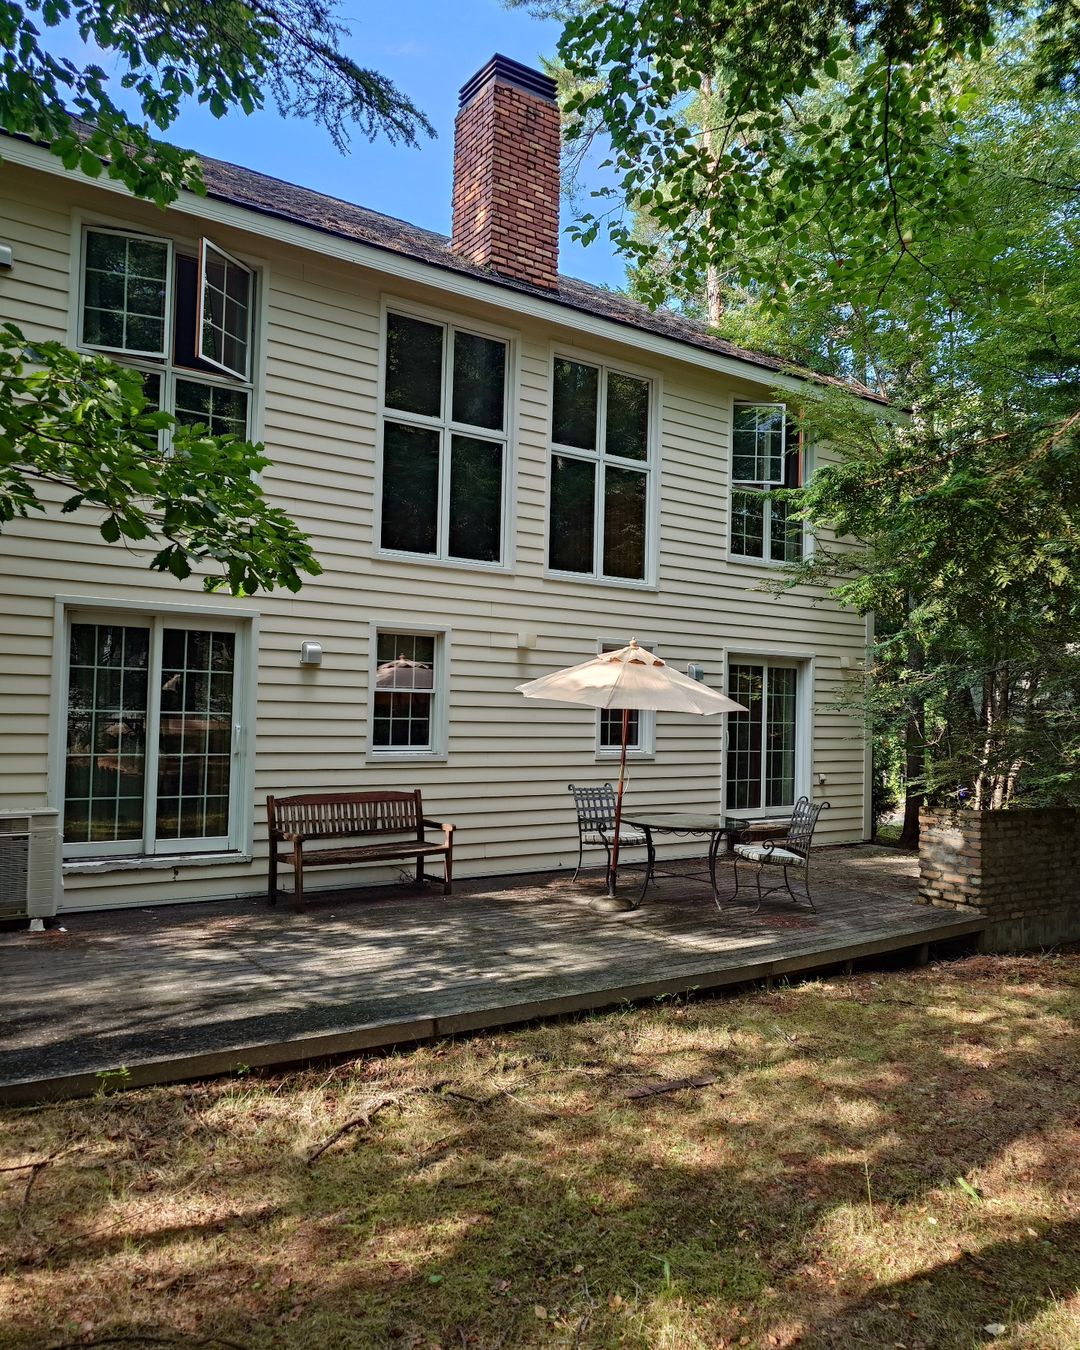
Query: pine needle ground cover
x,y
887,1160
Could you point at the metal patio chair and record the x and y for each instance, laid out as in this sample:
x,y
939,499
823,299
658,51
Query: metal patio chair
x,y
595,806
793,855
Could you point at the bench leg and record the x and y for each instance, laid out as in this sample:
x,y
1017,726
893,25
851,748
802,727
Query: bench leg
x,y
419,870
298,876
271,882
448,883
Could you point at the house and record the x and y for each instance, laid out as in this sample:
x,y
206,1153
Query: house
x,y
502,470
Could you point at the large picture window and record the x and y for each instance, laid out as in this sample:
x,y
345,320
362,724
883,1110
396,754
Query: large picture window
x,y
184,318
444,438
766,454
601,467
153,722
762,742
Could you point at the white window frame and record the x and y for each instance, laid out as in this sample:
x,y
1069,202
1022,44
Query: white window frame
x,y
206,247
735,485
440,702
165,366
170,287
804,665
649,466
447,428
93,856
646,746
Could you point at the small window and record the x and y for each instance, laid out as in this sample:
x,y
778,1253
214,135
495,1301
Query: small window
x,y
152,759
224,316
407,694
444,441
762,742
765,454
600,472
125,293
641,725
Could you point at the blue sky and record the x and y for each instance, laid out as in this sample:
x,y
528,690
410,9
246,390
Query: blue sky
x,y
429,48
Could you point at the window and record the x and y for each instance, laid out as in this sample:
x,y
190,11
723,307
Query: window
x,y
761,756
186,320
765,454
600,472
444,436
641,726
152,750
407,698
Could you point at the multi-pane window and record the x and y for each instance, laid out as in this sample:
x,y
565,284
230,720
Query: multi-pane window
x,y
762,741
765,455
405,705
151,754
444,438
640,728
601,465
185,320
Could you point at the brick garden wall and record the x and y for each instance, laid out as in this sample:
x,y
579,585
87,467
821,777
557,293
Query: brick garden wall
x,y
1020,868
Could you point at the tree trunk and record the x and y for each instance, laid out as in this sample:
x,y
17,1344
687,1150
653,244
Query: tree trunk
x,y
913,767
714,288
914,757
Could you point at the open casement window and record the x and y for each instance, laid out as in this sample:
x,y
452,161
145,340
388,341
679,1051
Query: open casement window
x,y
641,725
406,699
153,722
184,319
223,321
762,742
444,441
601,472
766,454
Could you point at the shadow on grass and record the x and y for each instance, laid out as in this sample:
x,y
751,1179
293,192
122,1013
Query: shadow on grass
x,y
809,1196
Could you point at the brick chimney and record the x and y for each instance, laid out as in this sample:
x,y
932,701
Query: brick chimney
x,y
506,173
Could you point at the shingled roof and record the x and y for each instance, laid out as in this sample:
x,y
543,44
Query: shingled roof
x,y
272,197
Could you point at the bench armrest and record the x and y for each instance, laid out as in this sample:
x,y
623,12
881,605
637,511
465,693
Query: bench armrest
x,y
438,825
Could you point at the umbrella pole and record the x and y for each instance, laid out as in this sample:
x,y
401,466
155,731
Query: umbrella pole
x,y
614,871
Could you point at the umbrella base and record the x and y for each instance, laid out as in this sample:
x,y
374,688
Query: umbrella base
x,y
612,904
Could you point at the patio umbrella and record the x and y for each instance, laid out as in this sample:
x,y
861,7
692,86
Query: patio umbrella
x,y
630,678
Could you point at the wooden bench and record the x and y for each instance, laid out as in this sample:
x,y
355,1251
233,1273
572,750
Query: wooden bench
x,y
296,821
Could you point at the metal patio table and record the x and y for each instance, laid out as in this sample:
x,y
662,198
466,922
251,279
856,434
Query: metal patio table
x,y
712,827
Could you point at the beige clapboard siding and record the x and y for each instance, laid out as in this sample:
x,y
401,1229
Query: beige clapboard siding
x,y
504,782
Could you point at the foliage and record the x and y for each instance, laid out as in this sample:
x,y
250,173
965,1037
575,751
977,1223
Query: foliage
x,y
844,120
77,431
969,554
226,55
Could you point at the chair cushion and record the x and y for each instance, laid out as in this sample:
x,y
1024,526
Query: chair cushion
x,y
628,837
756,853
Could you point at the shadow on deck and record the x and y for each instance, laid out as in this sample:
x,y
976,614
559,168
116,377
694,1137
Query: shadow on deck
x,y
183,991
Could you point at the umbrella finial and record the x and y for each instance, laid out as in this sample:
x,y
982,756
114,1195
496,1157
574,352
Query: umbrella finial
x,y
633,642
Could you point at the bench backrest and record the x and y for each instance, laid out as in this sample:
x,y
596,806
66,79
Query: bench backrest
x,y
332,815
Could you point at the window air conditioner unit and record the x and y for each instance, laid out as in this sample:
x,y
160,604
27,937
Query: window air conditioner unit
x,y
29,864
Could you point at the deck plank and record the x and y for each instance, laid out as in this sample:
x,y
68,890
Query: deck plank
x,y
175,992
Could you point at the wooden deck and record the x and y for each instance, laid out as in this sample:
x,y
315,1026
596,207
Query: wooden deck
x,y
183,991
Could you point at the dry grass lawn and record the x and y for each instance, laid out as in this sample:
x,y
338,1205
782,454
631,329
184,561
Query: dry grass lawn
x,y
888,1160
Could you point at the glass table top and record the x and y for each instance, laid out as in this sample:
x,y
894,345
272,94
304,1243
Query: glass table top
x,y
690,822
